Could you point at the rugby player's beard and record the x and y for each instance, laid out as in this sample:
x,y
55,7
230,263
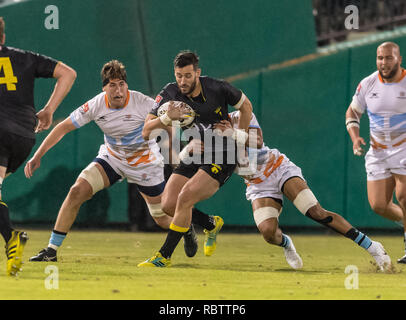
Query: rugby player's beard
x,y
192,88
391,74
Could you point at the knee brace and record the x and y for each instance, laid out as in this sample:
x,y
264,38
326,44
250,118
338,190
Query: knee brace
x,y
155,210
92,175
265,213
305,200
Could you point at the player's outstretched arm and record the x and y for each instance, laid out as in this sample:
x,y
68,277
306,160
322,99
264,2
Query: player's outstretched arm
x,y
151,123
245,114
52,139
352,121
65,76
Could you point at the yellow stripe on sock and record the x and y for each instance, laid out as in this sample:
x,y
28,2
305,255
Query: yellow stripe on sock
x,y
177,228
3,203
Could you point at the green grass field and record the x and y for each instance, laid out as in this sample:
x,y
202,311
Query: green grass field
x,y
103,265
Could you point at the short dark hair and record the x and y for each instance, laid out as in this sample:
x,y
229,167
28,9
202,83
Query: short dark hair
x,y
186,58
113,69
2,27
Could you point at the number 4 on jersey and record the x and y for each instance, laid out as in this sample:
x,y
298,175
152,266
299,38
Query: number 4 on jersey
x,y
8,78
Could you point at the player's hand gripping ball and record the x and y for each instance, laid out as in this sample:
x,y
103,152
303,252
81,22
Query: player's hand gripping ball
x,y
183,116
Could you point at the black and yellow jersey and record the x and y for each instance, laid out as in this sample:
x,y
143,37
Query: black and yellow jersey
x,y
210,106
18,70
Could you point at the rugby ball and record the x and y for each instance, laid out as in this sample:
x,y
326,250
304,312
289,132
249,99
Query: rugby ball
x,y
188,118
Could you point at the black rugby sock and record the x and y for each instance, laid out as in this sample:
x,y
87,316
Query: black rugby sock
x,y
172,240
5,224
202,219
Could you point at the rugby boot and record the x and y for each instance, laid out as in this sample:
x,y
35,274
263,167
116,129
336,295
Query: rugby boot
x,y
156,260
292,257
402,260
381,257
190,242
47,254
14,252
210,237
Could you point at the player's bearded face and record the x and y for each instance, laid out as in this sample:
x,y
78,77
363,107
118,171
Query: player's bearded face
x,y
116,91
187,78
388,62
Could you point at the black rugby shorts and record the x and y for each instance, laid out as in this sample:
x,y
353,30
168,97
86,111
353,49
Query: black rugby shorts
x,y
14,150
219,172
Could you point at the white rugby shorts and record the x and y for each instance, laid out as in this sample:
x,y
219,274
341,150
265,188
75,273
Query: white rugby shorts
x,y
136,170
382,163
271,187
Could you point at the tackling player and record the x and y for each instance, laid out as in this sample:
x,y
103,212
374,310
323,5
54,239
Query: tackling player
x,y
273,176
120,114
199,180
382,94
18,71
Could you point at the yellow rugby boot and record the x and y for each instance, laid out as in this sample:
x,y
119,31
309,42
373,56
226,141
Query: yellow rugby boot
x,y
14,252
210,238
156,260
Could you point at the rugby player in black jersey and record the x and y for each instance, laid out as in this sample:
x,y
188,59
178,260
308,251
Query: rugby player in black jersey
x,y
20,122
192,182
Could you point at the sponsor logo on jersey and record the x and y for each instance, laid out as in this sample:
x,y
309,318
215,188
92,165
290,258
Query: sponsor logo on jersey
x,y
158,98
358,89
218,111
215,168
102,118
85,108
128,117
374,95
402,95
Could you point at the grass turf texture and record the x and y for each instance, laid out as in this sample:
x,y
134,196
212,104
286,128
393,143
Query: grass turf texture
x,y
103,265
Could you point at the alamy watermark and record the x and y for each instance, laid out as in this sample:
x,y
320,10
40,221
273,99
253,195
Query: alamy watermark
x,y
352,20
51,22
351,282
52,280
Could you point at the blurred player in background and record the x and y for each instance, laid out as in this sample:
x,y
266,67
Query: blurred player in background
x,y
272,176
382,94
120,114
199,180
18,71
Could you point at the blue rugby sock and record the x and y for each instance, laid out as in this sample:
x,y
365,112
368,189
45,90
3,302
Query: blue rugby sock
x,y
285,241
359,238
56,239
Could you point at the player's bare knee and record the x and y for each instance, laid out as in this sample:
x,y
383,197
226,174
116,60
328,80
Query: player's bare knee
x,y
169,207
268,231
186,198
401,200
80,192
378,207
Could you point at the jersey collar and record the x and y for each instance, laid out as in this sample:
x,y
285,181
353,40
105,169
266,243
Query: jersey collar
x,y
401,78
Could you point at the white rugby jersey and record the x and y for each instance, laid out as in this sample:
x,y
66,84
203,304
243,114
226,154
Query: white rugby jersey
x,y
264,159
122,127
385,104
